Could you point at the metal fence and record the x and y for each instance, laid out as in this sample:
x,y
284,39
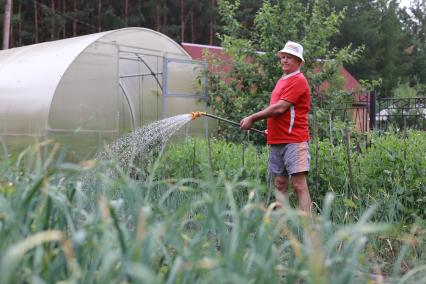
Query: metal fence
x,y
401,113
369,112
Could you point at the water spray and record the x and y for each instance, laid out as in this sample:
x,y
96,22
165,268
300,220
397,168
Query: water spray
x,y
196,114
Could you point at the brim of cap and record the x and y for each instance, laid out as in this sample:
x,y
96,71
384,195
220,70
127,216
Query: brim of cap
x,y
289,51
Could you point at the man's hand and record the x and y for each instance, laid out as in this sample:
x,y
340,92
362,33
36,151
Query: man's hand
x,y
246,123
273,110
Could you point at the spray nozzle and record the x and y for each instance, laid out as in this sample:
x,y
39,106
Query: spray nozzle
x,y
196,114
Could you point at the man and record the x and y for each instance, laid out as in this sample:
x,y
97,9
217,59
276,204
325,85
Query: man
x,y
287,127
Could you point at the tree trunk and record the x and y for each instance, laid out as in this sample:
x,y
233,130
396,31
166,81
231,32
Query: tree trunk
x,y
74,20
99,15
20,24
64,27
12,34
165,14
157,17
126,12
182,22
52,21
211,24
35,22
6,23
191,15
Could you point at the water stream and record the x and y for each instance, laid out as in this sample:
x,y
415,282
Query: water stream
x,y
140,146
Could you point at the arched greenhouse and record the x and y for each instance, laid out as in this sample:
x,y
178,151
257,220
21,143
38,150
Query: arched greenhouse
x,y
87,91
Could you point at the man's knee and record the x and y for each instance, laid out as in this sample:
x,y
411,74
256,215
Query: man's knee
x,y
281,183
299,183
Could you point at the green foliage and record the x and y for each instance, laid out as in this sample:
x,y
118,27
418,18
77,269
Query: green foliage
x,y
368,85
414,23
390,64
386,170
390,172
405,91
254,67
216,157
393,38
75,223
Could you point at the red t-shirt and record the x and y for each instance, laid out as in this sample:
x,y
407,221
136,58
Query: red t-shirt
x,y
292,125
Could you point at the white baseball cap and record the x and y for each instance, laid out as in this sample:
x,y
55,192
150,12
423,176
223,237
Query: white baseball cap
x,y
293,48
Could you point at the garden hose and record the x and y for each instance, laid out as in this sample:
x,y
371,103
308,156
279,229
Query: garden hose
x,y
196,114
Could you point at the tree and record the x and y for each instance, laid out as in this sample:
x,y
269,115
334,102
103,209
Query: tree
x,y
359,27
390,49
375,25
414,23
42,20
255,68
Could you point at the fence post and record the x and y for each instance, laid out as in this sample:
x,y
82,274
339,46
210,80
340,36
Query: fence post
x,y
372,110
348,158
316,148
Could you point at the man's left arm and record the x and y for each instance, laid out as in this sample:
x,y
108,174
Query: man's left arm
x,y
273,110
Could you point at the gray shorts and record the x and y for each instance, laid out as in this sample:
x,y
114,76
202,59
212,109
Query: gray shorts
x,y
288,159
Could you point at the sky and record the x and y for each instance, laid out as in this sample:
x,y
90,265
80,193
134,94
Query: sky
x,y
404,3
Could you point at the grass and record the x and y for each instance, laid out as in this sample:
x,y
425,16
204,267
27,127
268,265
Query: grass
x,y
200,218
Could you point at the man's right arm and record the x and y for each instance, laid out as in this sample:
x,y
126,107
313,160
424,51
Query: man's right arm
x,y
273,110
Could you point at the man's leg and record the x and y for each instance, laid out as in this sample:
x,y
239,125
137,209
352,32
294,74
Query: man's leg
x,y
281,187
300,186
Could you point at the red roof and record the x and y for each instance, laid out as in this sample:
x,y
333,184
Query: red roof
x,y
197,52
351,84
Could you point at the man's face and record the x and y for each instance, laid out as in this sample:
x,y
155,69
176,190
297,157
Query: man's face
x,y
289,62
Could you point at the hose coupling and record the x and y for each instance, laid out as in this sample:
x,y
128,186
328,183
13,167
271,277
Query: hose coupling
x,y
196,114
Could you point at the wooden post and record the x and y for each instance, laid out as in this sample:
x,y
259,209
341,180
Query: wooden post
x,y
330,127
316,138
193,160
348,157
6,23
210,151
243,152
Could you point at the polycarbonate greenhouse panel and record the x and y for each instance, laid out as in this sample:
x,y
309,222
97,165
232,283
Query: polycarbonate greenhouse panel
x,y
86,98
28,79
86,91
152,42
82,145
187,105
184,77
140,84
